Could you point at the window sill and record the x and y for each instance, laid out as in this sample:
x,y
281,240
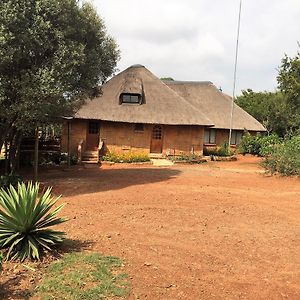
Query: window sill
x,y
212,145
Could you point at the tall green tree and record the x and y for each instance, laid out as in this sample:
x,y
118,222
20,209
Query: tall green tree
x,y
279,112
54,54
289,84
268,108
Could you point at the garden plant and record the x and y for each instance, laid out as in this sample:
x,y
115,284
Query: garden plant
x,y
24,220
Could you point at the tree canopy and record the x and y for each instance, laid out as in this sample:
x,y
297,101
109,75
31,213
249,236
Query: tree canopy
x,y
279,111
54,54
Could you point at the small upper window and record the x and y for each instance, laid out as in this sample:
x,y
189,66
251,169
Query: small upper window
x,y
130,98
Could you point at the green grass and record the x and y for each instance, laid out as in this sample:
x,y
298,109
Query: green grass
x,y
83,276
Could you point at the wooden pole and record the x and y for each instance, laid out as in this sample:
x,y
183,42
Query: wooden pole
x,y
36,154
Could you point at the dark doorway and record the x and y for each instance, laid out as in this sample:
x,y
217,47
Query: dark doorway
x,y
92,135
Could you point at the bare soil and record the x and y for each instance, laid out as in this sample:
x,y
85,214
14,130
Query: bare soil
x,y
220,230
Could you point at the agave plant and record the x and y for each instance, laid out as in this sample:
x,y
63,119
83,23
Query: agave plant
x,y
24,220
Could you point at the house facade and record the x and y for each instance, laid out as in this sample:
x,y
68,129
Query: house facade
x,y
138,112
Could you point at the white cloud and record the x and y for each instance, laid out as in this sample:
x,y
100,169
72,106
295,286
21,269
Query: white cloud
x,y
195,39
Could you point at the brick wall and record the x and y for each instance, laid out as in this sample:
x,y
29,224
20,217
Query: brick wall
x,y
121,137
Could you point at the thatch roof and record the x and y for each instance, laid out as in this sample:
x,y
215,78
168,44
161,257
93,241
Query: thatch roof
x,y
161,104
216,105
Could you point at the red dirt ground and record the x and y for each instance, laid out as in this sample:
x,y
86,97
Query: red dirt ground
x,y
221,230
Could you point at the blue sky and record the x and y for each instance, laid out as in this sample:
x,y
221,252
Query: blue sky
x,y
195,39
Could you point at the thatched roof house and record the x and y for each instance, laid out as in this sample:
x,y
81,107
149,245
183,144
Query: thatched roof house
x,y
159,104
139,112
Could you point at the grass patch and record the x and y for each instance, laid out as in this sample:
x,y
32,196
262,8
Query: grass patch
x,y
83,276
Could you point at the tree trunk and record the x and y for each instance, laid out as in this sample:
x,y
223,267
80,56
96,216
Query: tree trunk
x,y
36,154
14,151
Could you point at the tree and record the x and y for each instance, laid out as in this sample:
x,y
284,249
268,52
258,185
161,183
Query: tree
x,y
279,112
54,54
289,84
268,108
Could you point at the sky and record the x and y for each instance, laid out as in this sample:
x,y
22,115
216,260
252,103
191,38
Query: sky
x,y
195,39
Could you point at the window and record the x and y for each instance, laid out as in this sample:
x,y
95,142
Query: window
x,y
139,127
93,127
130,98
209,136
236,137
157,132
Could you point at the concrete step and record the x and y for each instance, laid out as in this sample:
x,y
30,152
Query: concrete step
x,y
161,162
91,152
155,155
89,161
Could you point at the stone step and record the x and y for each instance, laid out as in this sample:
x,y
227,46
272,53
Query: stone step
x,y
161,162
90,158
89,161
91,152
155,155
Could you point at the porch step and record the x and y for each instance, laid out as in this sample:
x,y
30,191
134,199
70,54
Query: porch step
x,y
90,157
155,155
89,161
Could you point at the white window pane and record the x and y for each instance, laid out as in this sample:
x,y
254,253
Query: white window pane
x,y
212,139
233,138
206,136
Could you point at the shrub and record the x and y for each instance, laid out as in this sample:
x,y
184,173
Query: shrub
x,y
258,144
285,158
24,218
10,179
126,157
223,150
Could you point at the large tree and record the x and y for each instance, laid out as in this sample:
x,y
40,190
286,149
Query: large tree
x,y
289,84
268,108
54,54
279,111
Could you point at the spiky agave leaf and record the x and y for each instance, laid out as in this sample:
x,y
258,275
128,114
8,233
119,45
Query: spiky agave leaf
x,y
24,221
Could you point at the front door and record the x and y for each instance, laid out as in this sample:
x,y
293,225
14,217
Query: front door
x,y
156,139
92,135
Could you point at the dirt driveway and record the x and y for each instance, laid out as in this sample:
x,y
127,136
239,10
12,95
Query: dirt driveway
x,y
211,231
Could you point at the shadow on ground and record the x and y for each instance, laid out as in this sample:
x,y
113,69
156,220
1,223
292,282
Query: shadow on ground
x,y
8,288
80,180
70,245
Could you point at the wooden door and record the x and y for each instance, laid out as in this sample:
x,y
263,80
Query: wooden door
x,y
92,135
156,139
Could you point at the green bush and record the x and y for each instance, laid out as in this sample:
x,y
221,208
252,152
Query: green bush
x,y
24,221
223,150
10,179
285,158
126,157
258,144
